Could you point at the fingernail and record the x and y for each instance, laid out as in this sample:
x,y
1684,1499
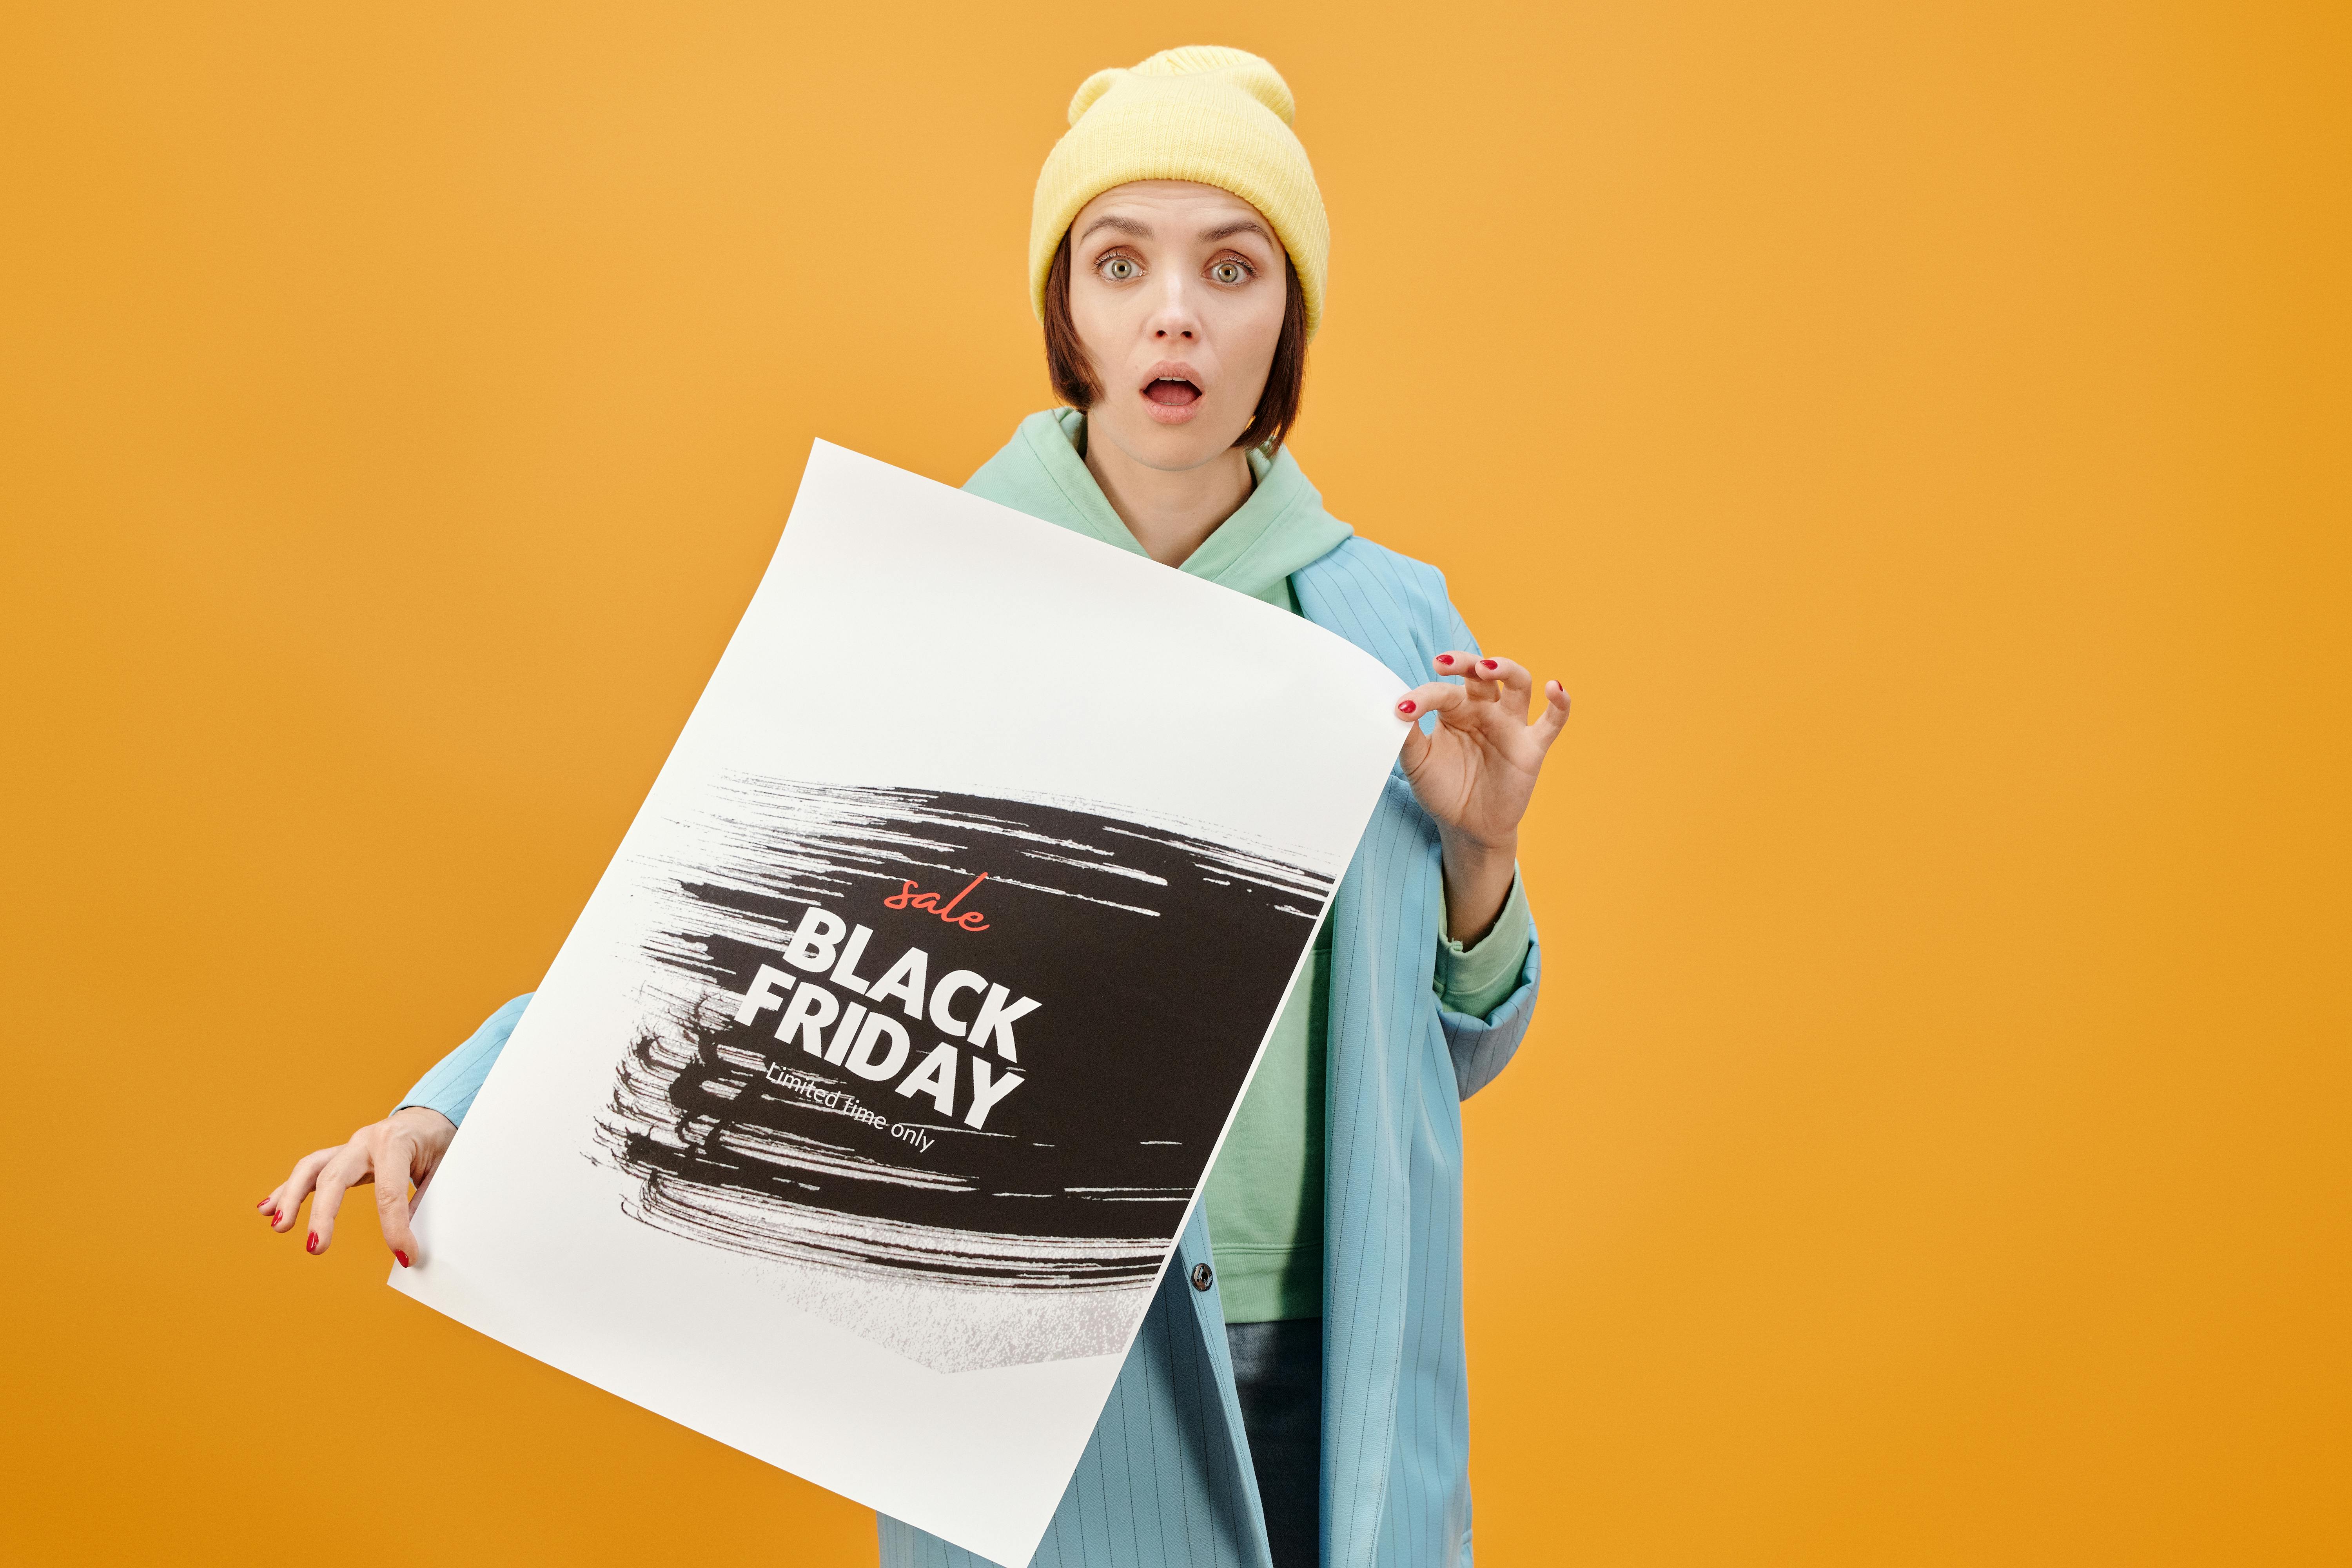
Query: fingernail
x,y
312,1245
1446,658
1405,706
1490,664
402,1256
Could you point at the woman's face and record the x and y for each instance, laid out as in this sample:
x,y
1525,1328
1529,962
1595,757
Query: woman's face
x,y
1177,291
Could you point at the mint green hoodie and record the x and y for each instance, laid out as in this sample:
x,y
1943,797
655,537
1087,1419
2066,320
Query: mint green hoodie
x,y
1265,1197
1283,526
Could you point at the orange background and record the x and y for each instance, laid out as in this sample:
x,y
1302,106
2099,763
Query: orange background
x,y
1917,433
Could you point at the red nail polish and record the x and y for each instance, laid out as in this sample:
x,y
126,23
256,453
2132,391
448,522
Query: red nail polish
x,y
312,1245
1446,658
1405,706
402,1256
1490,664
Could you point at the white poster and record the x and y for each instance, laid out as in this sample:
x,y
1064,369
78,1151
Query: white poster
x,y
856,1121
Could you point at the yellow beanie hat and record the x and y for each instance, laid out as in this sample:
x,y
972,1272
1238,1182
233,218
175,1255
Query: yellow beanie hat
x,y
1217,117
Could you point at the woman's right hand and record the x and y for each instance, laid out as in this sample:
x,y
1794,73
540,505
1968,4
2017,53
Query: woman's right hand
x,y
404,1147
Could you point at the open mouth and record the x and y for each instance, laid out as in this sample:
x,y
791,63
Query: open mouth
x,y
1170,392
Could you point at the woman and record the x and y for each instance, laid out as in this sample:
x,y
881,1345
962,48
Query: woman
x,y
1283,1392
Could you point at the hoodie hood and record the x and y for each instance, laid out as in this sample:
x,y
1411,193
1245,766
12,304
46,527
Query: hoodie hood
x,y
1280,528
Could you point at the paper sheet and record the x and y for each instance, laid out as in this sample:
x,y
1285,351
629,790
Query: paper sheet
x,y
857,1116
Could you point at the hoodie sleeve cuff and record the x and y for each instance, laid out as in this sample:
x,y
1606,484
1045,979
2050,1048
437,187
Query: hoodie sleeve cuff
x,y
1476,978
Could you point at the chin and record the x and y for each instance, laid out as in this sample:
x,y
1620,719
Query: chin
x,y
1170,447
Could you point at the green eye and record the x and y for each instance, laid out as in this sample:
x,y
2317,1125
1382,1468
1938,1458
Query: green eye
x,y
1119,268
1229,272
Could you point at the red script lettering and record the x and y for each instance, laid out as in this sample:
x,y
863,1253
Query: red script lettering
x,y
907,897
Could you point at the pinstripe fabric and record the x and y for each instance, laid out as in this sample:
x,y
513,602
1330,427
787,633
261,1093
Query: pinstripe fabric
x,y
1165,1480
450,1085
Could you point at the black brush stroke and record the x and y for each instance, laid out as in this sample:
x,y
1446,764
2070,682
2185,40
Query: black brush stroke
x,y
1159,957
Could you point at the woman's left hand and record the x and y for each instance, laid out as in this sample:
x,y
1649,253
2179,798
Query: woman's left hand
x,y
1475,775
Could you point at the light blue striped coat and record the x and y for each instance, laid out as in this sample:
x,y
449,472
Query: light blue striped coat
x,y
1166,1480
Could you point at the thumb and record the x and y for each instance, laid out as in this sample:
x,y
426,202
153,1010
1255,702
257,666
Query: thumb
x,y
1409,710
1437,697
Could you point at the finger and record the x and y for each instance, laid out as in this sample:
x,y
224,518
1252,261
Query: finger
x,y
343,1172
1510,682
394,1157
286,1202
1479,687
1555,715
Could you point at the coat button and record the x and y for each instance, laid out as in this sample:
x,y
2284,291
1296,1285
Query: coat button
x,y
1202,1277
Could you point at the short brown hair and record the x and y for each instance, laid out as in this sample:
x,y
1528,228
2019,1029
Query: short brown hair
x,y
1073,372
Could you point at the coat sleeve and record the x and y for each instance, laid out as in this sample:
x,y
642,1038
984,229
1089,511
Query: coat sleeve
x,y
450,1087
1483,1046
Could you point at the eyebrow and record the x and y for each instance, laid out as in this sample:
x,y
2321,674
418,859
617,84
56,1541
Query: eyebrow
x,y
1124,224
1239,225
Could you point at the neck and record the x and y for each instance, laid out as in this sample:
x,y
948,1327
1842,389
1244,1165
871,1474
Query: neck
x,y
1170,510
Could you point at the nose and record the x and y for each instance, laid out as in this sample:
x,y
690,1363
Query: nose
x,y
1173,319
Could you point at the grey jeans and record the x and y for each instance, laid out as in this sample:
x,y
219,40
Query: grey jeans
x,y
1278,1373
